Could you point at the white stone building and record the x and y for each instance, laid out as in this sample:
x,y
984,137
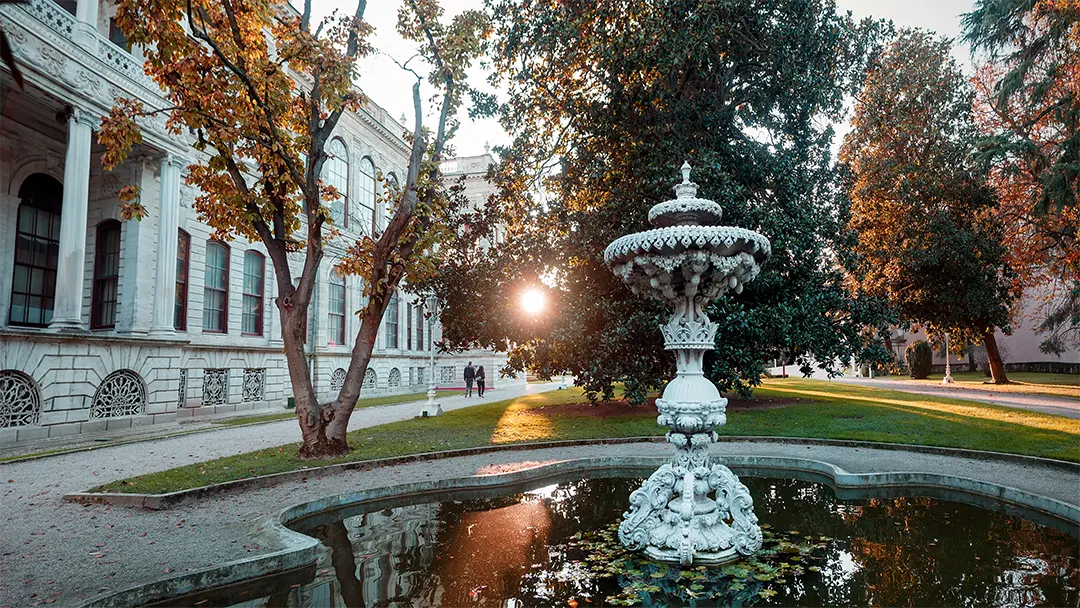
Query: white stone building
x,y
107,324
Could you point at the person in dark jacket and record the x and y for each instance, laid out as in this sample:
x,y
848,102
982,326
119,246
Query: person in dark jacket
x,y
470,375
480,381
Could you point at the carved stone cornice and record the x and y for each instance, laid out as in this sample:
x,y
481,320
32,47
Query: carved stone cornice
x,y
43,41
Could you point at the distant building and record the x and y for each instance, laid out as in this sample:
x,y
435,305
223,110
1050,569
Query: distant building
x,y
1019,351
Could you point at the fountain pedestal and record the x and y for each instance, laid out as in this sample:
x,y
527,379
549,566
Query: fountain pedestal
x,y
690,510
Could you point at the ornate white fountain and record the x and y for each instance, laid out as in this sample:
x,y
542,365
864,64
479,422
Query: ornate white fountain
x,y
690,510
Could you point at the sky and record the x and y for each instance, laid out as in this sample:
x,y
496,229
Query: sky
x,y
390,87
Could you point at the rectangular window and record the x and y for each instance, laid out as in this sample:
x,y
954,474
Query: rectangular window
x,y
106,275
216,288
391,319
117,37
420,328
251,319
183,261
337,308
408,328
37,250
68,5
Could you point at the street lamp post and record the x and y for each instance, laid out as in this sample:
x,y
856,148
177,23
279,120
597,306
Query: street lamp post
x,y
948,379
431,408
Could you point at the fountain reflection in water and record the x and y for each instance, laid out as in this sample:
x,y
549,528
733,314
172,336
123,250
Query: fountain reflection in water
x,y
517,550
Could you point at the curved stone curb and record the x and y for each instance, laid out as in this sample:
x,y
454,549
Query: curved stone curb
x,y
300,549
297,550
172,499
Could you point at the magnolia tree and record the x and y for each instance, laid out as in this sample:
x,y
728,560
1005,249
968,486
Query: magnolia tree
x,y
263,91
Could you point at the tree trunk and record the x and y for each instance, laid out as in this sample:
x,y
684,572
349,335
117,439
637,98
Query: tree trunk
x,y
343,560
993,358
314,418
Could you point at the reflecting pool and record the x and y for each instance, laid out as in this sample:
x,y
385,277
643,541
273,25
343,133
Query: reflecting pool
x,y
553,545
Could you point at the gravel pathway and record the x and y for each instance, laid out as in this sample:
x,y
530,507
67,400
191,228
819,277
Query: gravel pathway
x,y
1047,404
53,551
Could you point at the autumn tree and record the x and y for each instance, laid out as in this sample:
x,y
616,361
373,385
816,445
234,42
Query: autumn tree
x,y
263,91
1028,113
929,240
604,102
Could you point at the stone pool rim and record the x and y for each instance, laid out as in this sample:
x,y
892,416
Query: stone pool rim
x,y
299,550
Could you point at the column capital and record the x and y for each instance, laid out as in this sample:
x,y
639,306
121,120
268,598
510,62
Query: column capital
x,y
174,160
81,116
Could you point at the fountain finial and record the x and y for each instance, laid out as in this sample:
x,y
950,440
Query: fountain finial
x,y
687,189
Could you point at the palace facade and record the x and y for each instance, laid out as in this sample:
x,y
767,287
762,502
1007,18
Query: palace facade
x,y
108,324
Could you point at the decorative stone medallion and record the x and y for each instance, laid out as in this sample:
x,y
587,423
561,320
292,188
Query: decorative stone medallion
x,y
20,400
122,393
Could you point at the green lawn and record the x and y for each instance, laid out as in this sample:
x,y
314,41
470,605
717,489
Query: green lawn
x,y
1057,385
824,410
370,402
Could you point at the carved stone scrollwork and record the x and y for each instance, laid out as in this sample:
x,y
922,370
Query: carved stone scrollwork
x,y
215,386
690,510
181,392
689,335
254,384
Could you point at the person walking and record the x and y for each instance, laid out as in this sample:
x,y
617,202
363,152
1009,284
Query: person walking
x,y
470,375
480,381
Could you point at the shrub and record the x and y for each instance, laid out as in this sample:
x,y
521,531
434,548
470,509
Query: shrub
x,y
919,358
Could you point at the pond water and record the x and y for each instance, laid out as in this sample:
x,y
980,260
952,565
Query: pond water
x,y
525,547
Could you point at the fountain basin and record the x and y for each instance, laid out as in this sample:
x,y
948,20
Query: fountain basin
x,y
1034,485
527,545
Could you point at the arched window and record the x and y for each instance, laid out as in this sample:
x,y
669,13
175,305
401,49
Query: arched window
x,y
367,192
183,263
391,326
106,275
37,249
251,319
336,174
216,288
337,308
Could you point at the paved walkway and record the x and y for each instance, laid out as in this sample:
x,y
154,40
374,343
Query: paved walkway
x,y
44,540
63,553
282,432
1048,404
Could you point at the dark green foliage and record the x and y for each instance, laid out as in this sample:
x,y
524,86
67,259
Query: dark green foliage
x,y
618,95
919,359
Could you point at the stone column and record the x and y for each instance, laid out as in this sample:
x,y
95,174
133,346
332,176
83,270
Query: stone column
x,y
86,12
67,309
168,225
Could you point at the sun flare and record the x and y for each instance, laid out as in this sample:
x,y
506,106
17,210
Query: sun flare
x,y
533,301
